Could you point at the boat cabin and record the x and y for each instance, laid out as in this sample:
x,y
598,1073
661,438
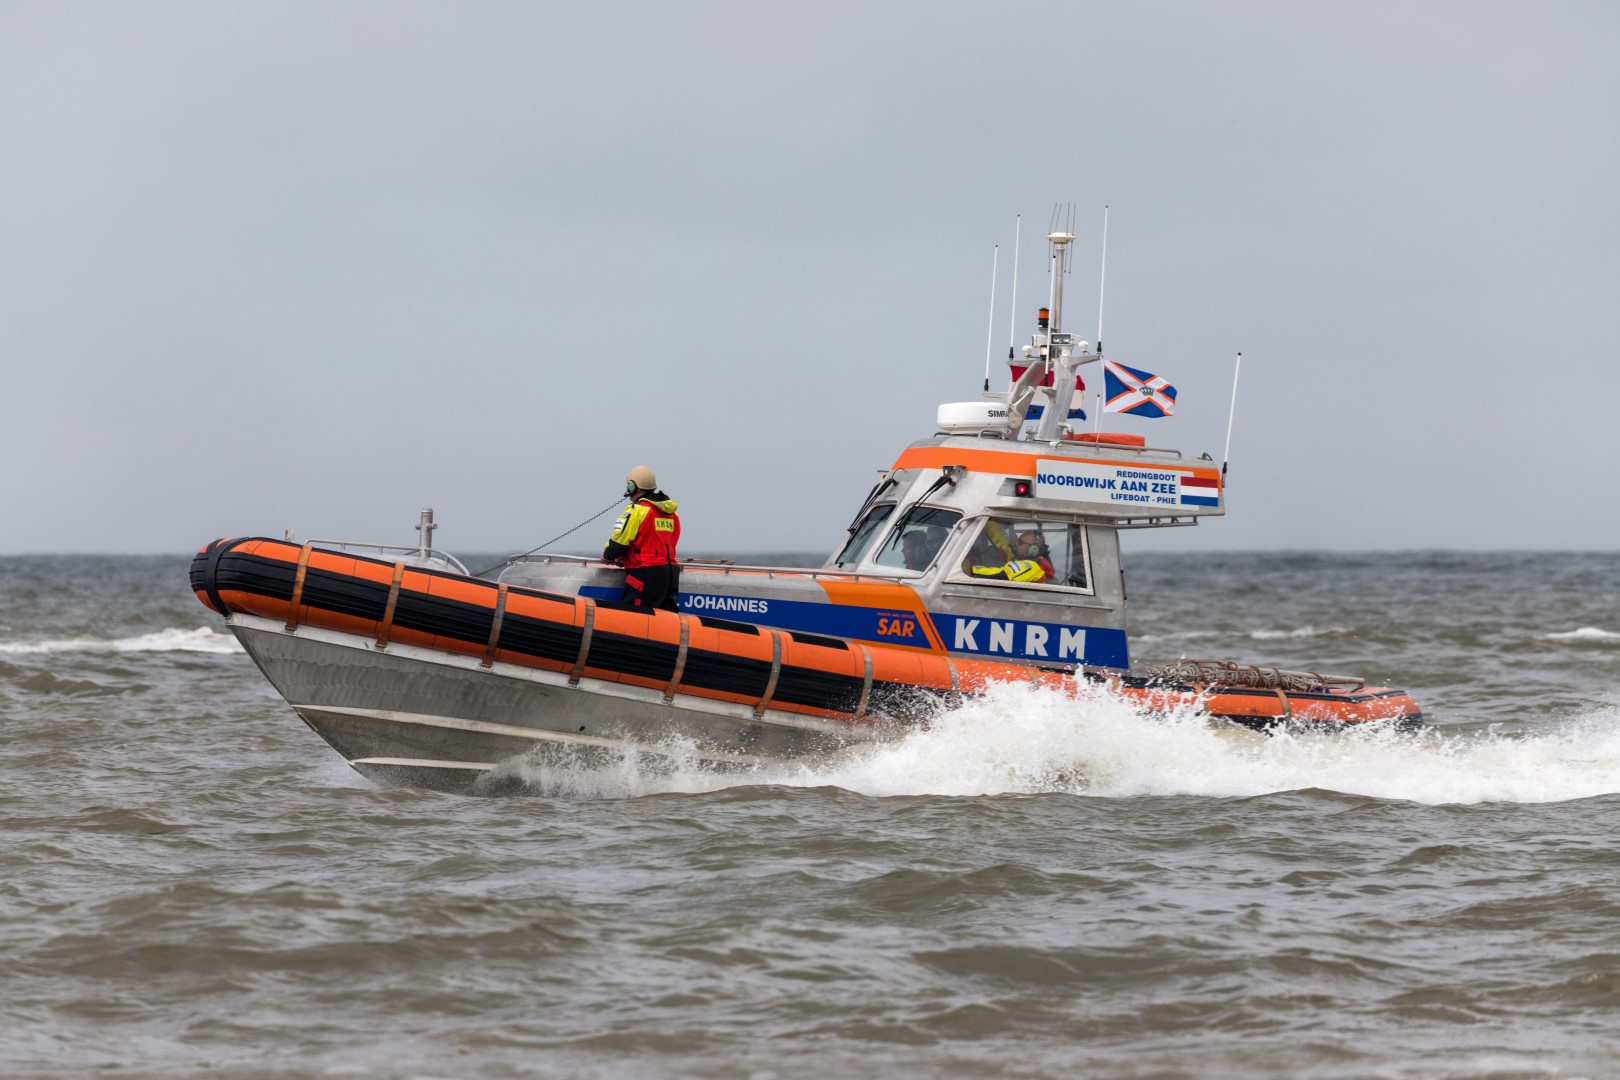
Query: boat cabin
x,y
967,545
996,538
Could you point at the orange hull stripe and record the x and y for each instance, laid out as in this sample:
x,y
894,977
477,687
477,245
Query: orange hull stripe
x,y
886,596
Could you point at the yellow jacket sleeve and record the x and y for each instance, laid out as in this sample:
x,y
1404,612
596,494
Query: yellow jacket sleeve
x,y
625,531
998,537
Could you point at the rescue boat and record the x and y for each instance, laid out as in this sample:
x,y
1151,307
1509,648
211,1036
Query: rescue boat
x,y
421,673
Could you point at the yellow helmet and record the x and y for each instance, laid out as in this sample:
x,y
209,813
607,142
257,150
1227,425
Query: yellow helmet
x,y
640,478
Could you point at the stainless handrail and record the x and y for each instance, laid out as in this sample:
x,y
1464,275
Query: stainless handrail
x,y
1168,451
710,564
383,549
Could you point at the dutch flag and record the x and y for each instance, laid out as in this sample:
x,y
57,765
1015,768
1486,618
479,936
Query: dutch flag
x,y
1200,491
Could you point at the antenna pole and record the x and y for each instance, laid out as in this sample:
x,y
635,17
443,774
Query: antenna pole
x,y
1102,279
1054,267
990,323
1012,317
1227,453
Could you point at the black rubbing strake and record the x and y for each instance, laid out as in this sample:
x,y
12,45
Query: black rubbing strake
x,y
820,640
740,675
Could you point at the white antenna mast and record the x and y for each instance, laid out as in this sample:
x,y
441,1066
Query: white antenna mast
x,y
990,323
1059,259
1102,280
1012,318
1227,453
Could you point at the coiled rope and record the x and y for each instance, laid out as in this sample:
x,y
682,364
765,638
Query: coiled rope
x,y
1251,676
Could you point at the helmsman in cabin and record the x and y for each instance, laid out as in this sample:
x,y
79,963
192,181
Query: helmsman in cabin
x,y
996,555
643,542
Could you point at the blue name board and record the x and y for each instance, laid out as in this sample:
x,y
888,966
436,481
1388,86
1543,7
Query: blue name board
x,y
1051,643
888,627
992,639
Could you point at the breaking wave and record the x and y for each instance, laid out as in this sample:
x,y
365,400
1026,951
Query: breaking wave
x,y
1262,634
1300,632
1586,635
200,640
1015,740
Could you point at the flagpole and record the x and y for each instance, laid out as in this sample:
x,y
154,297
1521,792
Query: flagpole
x,y
990,324
1227,453
1012,319
1102,280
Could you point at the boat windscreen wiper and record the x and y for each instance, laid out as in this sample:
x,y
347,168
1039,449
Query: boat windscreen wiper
x,y
947,477
877,489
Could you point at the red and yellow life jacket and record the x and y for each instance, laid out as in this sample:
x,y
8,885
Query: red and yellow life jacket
x,y
646,533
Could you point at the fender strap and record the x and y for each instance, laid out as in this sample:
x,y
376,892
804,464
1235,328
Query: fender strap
x,y
211,575
584,642
776,673
495,626
386,627
866,683
954,701
298,586
680,660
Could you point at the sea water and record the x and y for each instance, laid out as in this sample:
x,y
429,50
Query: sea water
x,y
193,884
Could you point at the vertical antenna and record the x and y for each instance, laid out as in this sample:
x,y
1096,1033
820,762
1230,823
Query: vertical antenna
x,y
1102,280
990,323
1012,319
1054,267
1227,453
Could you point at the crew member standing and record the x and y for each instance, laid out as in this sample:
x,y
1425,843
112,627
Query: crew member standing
x,y
643,542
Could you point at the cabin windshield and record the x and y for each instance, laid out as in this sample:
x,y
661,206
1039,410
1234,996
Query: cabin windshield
x,y
914,543
864,534
1046,554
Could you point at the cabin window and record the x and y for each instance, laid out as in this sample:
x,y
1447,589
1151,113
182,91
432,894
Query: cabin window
x,y
917,540
1044,554
864,534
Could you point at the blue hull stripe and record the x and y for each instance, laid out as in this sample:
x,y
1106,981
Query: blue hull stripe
x,y
991,639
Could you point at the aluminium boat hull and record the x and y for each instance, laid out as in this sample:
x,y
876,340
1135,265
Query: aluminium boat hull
x,y
430,678
420,717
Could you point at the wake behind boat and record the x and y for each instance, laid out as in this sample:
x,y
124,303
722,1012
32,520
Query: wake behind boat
x,y
987,552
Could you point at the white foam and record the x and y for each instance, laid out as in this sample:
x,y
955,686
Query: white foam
x,y
1018,740
1299,632
1262,634
1015,740
200,640
1586,635
624,772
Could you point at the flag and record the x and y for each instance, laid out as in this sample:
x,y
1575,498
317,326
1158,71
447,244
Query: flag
x,y
1037,411
1140,393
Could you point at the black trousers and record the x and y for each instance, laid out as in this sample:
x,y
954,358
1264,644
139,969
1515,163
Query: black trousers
x,y
652,586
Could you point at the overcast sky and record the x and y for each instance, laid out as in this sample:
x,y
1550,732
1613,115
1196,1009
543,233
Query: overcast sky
x,y
315,266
